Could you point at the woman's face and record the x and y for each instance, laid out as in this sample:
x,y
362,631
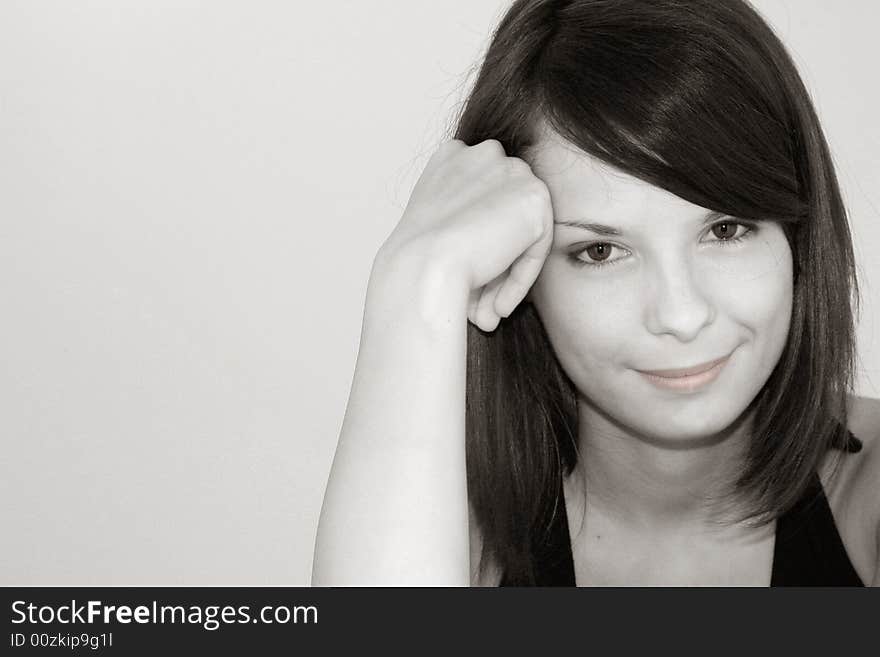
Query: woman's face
x,y
653,283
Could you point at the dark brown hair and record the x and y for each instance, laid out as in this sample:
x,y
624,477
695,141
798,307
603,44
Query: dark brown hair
x,y
700,98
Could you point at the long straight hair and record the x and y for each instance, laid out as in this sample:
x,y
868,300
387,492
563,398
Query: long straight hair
x,y
700,98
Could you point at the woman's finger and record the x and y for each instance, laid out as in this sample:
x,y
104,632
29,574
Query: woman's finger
x,y
487,318
522,275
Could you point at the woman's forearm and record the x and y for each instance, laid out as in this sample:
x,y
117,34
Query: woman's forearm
x,y
395,510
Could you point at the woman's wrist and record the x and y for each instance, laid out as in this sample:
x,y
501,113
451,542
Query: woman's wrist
x,y
414,283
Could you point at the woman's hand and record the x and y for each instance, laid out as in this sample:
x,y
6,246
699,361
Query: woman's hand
x,y
484,219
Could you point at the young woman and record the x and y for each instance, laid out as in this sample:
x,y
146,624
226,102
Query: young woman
x,y
640,218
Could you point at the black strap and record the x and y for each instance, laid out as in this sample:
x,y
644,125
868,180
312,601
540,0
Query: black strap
x,y
809,550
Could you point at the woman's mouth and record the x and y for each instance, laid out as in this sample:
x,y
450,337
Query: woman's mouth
x,y
686,379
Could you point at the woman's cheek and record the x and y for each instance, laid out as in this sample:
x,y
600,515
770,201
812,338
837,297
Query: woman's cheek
x,y
753,285
590,321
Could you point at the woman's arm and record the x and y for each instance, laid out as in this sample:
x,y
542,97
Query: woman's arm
x,y
395,511
470,244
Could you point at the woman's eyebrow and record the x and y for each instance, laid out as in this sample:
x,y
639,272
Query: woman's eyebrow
x,y
602,229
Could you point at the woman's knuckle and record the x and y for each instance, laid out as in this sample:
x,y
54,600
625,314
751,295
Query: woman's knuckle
x,y
448,147
491,146
518,166
536,193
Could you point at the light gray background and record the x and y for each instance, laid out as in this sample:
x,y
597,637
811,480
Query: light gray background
x,y
191,195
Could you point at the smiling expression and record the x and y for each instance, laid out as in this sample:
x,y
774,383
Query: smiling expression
x,y
668,318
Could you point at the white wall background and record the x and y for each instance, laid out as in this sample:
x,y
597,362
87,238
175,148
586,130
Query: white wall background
x,y
191,194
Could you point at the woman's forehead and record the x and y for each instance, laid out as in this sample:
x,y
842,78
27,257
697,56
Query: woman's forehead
x,y
583,187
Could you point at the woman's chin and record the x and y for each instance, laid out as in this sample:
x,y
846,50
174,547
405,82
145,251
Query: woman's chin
x,y
690,427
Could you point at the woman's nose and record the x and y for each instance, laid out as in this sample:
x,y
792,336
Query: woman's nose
x,y
675,302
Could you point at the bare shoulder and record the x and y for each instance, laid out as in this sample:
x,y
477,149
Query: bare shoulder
x,y
864,423
482,574
854,491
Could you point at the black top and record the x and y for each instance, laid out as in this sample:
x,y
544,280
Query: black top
x,y
808,549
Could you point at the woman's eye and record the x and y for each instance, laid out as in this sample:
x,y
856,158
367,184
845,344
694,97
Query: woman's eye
x,y
727,231
599,254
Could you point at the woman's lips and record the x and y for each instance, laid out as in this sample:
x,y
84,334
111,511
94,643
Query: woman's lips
x,y
688,378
